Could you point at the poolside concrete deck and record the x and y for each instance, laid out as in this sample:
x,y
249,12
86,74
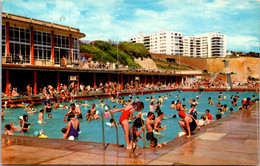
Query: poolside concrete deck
x,y
232,140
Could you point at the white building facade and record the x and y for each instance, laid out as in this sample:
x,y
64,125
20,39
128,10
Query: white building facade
x,y
162,42
204,45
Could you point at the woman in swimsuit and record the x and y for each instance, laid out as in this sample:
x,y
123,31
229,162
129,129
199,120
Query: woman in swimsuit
x,y
151,106
25,124
188,124
193,111
73,126
128,112
48,107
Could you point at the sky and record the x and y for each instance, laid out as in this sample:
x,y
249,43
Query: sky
x,y
119,20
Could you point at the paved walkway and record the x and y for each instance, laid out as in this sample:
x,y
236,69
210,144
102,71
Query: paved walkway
x,y
232,140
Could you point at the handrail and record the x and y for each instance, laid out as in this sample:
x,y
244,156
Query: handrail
x,y
103,128
142,120
115,123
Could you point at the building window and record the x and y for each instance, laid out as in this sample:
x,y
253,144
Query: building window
x,y
3,48
42,53
3,32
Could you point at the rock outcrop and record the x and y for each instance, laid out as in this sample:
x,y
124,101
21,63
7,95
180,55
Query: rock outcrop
x,y
146,63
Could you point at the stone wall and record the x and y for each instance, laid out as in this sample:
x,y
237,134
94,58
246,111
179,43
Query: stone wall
x,y
198,63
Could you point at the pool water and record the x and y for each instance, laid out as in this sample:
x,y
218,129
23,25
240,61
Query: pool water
x,y
92,130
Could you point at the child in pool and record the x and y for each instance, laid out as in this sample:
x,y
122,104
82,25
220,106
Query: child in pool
x,y
12,127
134,133
8,130
41,120
231,110
154,144
64,130
49,116
106,114
218,104
112,122
88,115
96,117
210,101
220,111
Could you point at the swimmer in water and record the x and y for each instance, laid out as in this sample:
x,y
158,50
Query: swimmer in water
x,y
8,130
41,120
210,101
158,121
220,111
49,116
173,105
88,115
218,104
184,107
137,99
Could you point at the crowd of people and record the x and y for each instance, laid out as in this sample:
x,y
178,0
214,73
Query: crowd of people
x,y
69,92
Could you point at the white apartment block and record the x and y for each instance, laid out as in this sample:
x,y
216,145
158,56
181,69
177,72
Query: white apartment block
x,y
204,45
162,42
211,45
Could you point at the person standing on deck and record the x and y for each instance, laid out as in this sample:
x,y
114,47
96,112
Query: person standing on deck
x,y
10,91
128,112
28,88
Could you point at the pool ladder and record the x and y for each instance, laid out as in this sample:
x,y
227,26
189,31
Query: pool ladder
x,y
103,128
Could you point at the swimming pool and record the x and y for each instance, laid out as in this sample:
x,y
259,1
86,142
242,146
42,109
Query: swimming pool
x,y
92,131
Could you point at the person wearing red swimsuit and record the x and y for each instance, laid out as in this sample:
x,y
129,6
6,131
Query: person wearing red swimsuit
x,y
128,111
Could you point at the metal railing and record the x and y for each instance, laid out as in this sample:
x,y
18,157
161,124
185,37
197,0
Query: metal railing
x,y
15,59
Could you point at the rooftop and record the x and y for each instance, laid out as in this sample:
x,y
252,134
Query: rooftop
x,y
8,16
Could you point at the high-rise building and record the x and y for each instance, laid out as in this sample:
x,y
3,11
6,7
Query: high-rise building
x,y
204,45
162,42
211,45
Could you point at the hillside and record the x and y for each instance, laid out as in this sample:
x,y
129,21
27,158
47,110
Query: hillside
x,y
125,52
131,54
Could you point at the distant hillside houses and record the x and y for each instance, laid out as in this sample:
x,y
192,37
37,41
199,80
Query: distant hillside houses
x,y
240,53
204,45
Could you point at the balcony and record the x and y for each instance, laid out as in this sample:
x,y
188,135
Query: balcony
x,y
15,59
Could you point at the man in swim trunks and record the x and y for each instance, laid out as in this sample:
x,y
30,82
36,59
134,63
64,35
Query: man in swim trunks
x,y
149,126
74,110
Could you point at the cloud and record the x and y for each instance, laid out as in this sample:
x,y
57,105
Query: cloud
x,y
240,42
119,19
